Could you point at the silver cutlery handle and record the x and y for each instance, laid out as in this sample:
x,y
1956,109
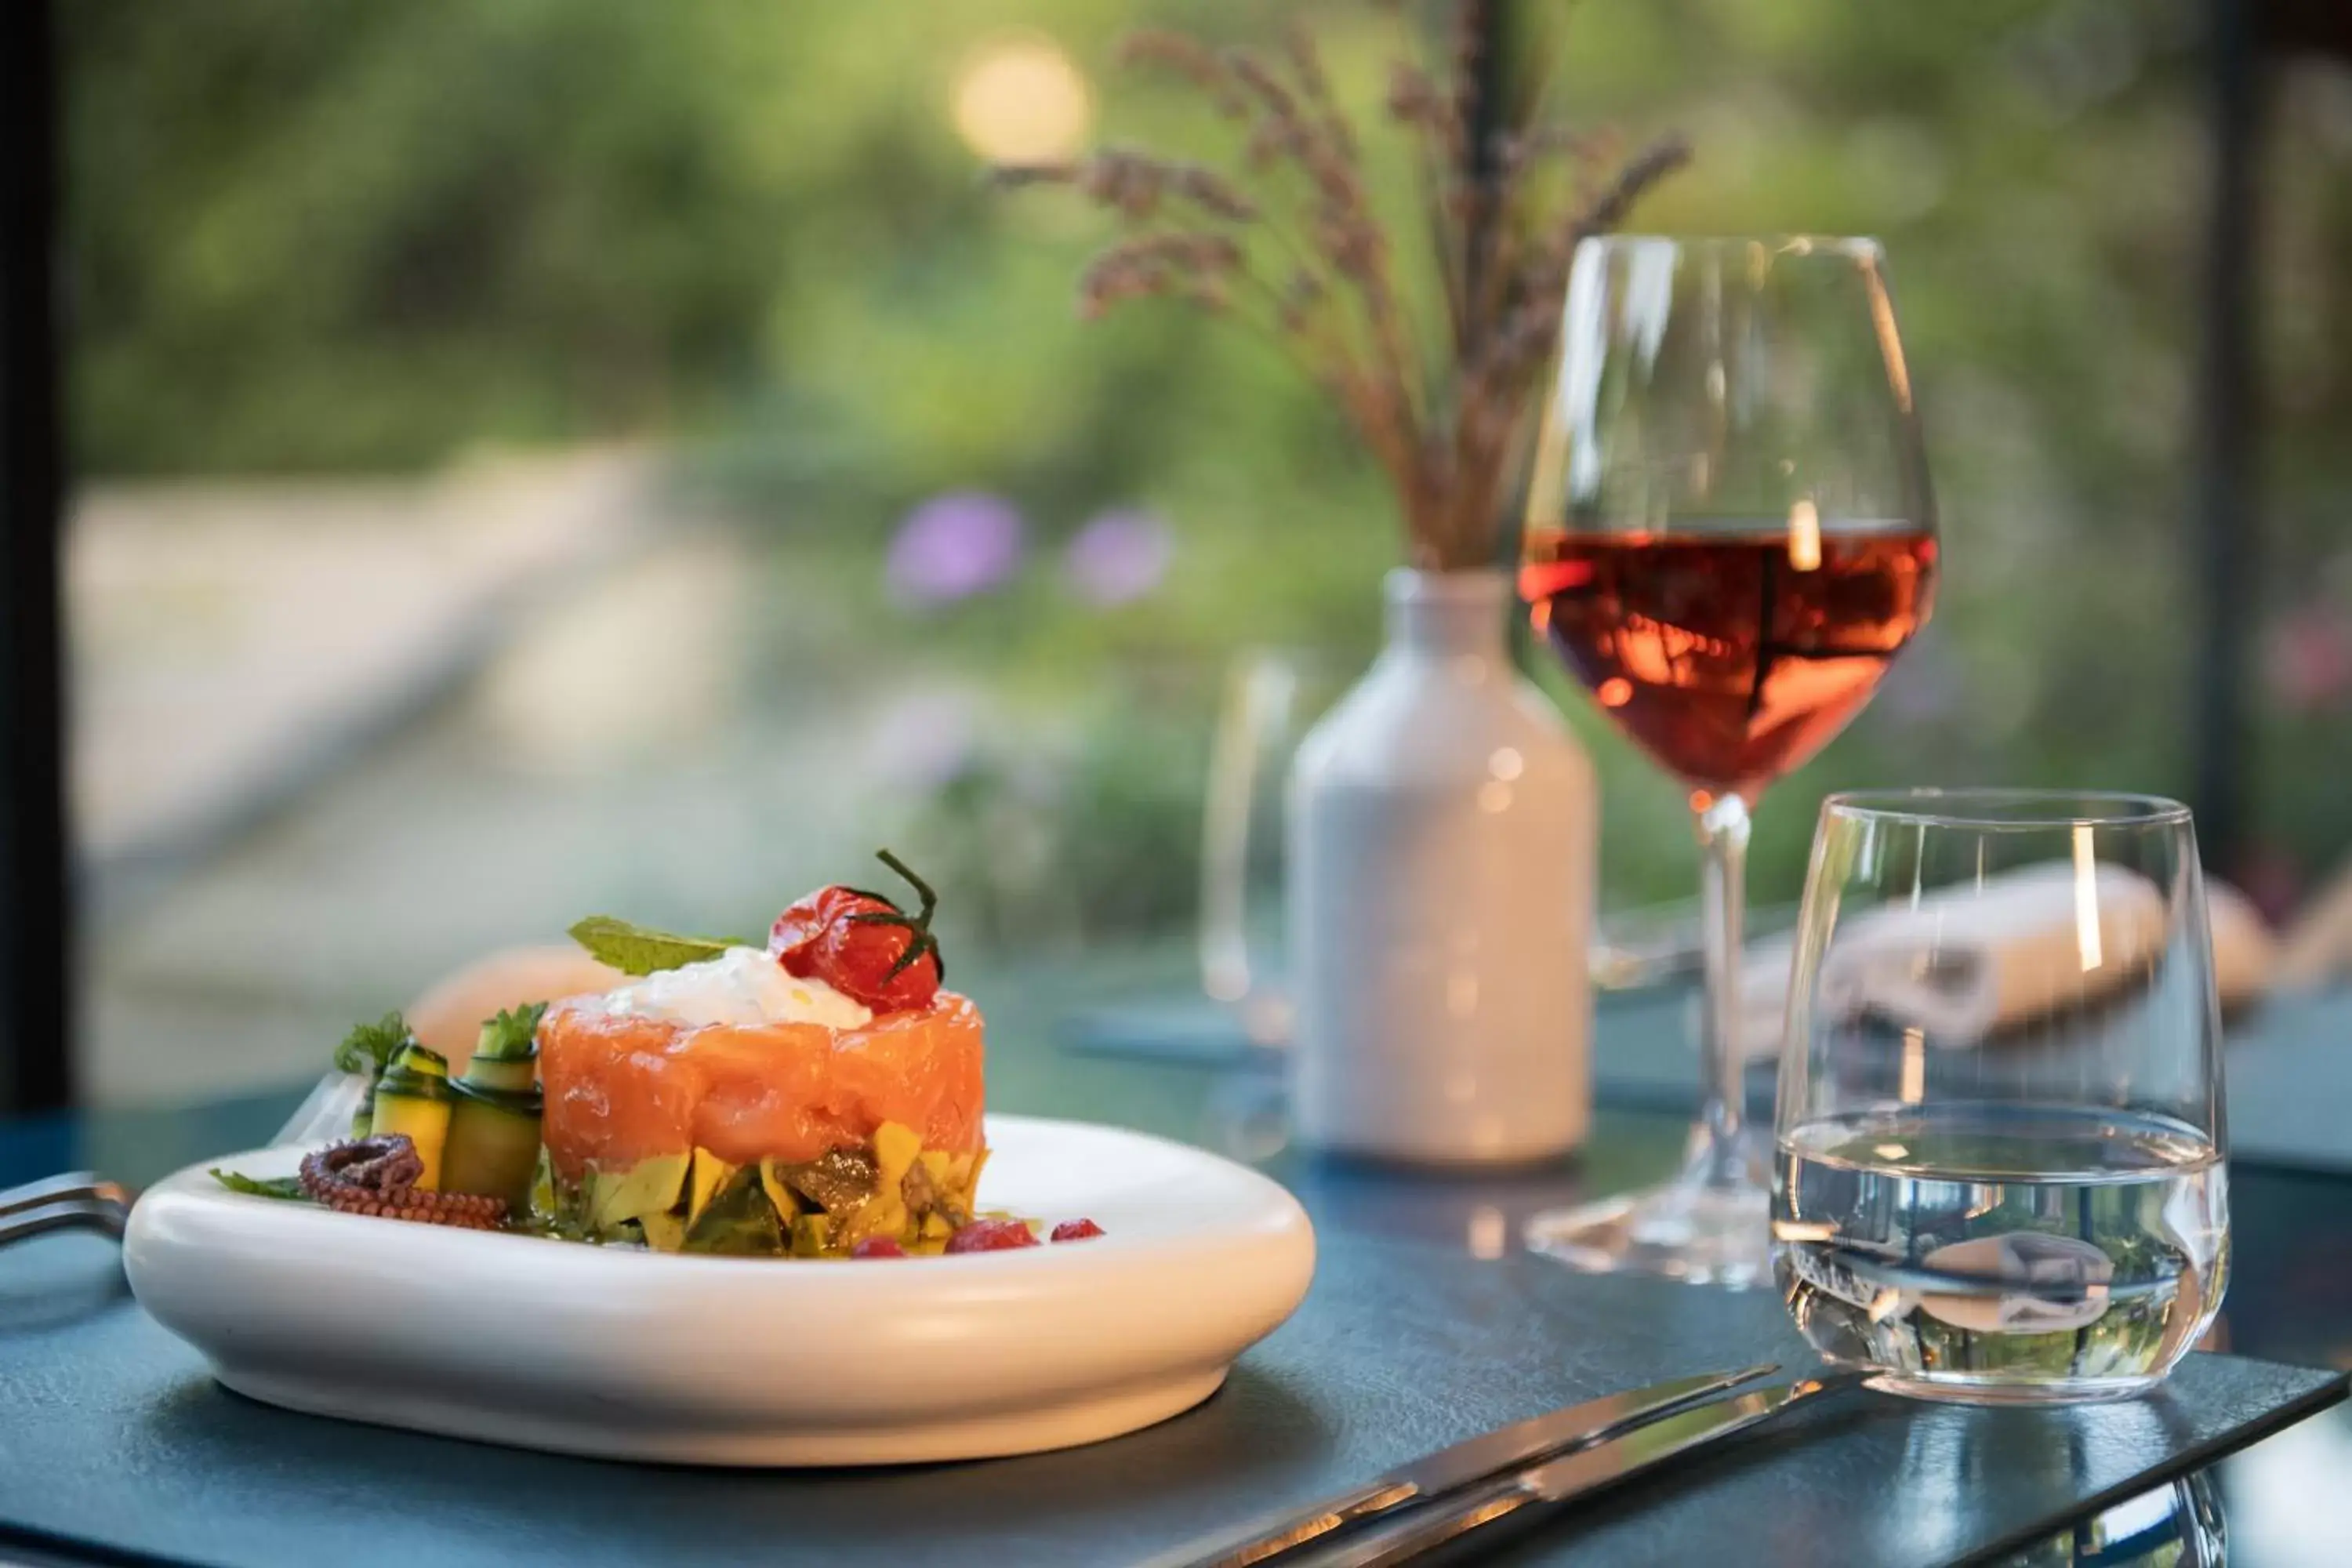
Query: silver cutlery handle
x,y
1445,1475
73,1187
65,1215
1295,1529
1574,1474
1425,1530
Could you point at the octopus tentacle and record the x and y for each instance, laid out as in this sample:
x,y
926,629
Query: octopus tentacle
x,y
378,1176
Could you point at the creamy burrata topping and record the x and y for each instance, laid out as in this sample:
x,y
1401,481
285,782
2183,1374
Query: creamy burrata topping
x,y
743,987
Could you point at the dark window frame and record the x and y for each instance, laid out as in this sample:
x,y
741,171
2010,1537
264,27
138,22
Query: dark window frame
x,y
36,945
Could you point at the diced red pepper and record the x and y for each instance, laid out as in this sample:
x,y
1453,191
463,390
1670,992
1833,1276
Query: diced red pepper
x,y
1077,1230
991,1235
878,1246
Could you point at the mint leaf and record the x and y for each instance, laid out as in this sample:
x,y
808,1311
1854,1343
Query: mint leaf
x,y
274,1187
634,950
369,1048
510,1036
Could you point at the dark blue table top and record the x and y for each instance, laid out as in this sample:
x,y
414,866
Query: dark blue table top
x,y
2290,1297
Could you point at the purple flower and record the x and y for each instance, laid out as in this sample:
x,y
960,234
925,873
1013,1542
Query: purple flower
x,y
953,546
1119,556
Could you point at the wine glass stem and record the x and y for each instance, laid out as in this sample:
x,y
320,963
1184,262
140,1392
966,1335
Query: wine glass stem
x,y
1716,1156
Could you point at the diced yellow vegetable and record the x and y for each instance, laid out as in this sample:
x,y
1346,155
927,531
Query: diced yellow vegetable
x,y
663,1232
708,1174
884,1213
651,1186
896,1149
787,1203
810,1234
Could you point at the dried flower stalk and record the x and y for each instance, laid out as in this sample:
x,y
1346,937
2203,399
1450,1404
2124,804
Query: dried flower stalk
x,y
1295,250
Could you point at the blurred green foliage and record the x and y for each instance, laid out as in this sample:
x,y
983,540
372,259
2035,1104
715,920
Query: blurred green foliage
x,y
337,234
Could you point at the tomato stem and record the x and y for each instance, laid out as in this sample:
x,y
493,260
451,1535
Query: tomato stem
x,y
918,924
931,899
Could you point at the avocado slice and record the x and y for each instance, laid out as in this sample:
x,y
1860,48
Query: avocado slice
x,y
663,1232
739,1221
651,1186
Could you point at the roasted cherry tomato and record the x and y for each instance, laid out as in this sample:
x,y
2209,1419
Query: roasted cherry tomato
x,y
1077,1230
795,936
862,944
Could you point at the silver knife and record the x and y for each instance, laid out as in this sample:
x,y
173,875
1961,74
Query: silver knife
x,y
1587,1469
1465,1463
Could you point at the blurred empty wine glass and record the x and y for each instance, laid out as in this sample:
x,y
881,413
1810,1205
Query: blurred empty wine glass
x,y
1271,697
2178,1525
1999,1173
1729,535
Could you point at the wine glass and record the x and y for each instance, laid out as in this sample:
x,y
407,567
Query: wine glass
x,y
1273,697
1999,1175
1729,535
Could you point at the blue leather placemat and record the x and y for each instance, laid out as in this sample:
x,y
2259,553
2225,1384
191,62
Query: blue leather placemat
x,y
115,1441
2289,1063
2290,1075
1644,1046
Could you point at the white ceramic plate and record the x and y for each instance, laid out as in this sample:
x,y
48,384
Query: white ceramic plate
x,y
629,1355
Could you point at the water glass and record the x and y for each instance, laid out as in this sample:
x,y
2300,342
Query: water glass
x,y
1997,1174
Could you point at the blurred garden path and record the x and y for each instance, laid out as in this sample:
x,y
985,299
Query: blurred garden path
x,y
332,740
233,641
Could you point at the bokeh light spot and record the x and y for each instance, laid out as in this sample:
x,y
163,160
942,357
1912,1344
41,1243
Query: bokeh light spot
x,y
1023,101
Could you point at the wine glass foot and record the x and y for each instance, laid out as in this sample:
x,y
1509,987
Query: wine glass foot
x,y
1683,1230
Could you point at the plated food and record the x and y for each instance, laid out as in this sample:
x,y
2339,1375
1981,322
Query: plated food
x,y
817,1097
745,1108
617,1352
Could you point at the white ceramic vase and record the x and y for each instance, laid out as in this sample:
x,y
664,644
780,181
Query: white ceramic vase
x,y
1442,842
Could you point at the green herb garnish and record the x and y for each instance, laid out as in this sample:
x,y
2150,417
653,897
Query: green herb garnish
x,y
512,1036
367,1051
369,1048
274,1187
634,950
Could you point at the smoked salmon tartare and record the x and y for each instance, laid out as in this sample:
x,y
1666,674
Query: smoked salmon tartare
x,y
818,1097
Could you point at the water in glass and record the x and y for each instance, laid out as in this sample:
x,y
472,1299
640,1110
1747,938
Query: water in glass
x,y
1998,1169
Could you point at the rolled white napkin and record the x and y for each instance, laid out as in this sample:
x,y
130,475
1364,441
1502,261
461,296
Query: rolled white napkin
x,y
1965,963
